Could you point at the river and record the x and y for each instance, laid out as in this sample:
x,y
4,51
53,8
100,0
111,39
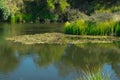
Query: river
x,y
53,62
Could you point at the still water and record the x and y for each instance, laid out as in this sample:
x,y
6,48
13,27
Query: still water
x,y
53,62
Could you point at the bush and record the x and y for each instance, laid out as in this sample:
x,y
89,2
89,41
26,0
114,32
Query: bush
x,y
73,14
27,17
106,16
19,17
50,17
12,19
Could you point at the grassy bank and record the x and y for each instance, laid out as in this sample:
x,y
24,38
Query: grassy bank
x,y
82,27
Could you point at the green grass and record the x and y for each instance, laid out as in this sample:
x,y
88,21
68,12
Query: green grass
x,y
81,27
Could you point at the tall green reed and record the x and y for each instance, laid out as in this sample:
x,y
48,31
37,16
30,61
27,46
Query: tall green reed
x,y
82,27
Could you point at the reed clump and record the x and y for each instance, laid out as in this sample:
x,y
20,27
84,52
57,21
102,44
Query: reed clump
x,y
82,27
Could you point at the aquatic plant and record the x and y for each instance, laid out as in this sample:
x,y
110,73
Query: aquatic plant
x,y
76,27
117,31
82,27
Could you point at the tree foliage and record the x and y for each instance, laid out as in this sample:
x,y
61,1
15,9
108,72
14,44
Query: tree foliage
x,y
4,11
53,10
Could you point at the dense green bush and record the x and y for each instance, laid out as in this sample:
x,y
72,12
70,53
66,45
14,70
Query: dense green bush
x,y
27,17
12,19
82,27
19,17
50,17
56,10
94,6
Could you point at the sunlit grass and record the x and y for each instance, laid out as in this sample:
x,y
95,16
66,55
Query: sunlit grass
x,y
76,27
81,27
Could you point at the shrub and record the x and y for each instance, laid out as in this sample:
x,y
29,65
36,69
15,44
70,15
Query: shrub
x,y
19,17
105,16
50,17
73,14
12,19
27,17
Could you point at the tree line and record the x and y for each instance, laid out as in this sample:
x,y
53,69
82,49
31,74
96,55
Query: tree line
x,y
53,10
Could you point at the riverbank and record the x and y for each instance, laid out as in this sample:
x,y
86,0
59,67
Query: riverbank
x,y
60,38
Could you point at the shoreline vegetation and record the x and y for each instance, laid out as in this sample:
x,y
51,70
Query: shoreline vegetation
x,y
45,11
82,27
60,38
81,17
95,21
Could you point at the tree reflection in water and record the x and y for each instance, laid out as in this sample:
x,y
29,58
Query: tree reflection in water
x,y
8,60
68,59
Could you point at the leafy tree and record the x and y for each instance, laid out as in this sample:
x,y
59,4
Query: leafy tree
x,y
53,10
4,11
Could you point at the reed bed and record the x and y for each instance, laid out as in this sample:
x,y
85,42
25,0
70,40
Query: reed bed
x,y
82,27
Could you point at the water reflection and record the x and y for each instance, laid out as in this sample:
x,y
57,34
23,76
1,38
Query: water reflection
x,y
117,70
8,61
55,62
23,29
63,61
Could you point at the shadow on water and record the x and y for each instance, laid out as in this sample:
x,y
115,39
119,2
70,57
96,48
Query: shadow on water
x,y
25,29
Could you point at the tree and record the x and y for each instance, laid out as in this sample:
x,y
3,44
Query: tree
x,y
4,11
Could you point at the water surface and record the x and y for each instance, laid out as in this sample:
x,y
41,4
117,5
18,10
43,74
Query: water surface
x,y
53,62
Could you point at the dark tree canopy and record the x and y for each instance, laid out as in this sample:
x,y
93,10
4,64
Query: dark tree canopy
x,y
53,10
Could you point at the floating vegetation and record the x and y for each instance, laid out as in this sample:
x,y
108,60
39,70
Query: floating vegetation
x,y
59,38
